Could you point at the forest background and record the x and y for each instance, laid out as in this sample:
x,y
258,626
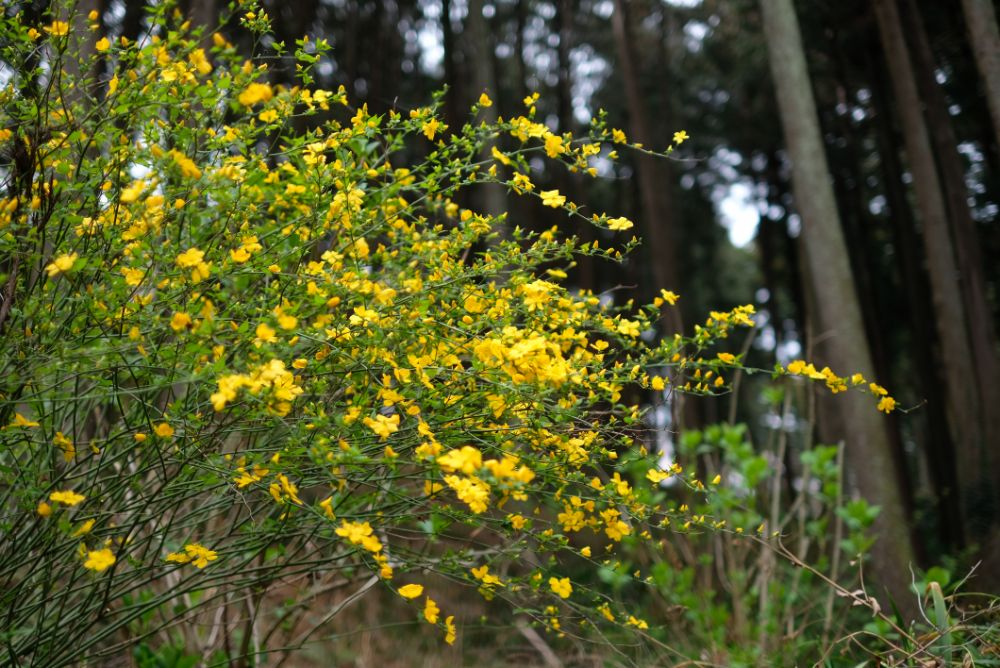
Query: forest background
x,y
874,249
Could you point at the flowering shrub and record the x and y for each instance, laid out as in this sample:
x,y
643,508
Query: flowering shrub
x,y
249,337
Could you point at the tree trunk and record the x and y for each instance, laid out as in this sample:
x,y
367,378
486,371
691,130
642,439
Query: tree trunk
x,y
981,20
963,398
938,446
968,256
867,443
479,44
654,185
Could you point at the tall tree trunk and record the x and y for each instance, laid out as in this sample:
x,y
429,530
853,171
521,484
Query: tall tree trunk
x,y
451,113
981,19
867,443
479,45
654,184
938,446
964,401
968,255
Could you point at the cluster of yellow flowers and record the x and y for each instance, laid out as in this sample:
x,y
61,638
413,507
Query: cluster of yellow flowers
x,y
330,353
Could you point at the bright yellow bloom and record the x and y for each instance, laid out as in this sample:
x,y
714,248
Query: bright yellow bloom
x,y
430,128
61,264
180,321
485,101
265,334
57,28
99,560
887,405
620,224
431,611
561,586
67,497
359,533
449,626
254,93
44,509
164,430
193,553
554,146
411,590
102,45
552,198
21,421
680,137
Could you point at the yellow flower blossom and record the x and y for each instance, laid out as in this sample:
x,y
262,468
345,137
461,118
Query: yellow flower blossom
x,y
552,198
411,590
431,611
561,586
67,497
99,560
254,93
194,553
61,264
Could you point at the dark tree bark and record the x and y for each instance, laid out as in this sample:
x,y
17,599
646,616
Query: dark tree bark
x,y
970,262
963,398
867,443
981,20
907,241
654,184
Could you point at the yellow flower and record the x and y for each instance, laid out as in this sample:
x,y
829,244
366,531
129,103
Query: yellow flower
x,y
657,383
656,476
99,560
133,277
561,586
552,198
485,101
164,430
431,611
61,264
727,358
84,528
57,28
449,626
187,165
254,93
21,421
180,321
620,224
411,590
268,115
680,137
102,45
887,405
265,334
44,509
430,128
554,146
193,553
65,444
67,497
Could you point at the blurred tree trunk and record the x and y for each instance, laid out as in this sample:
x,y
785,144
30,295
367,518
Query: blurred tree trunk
x,y
937,442
868,448
968,255
479,45
451,113
654,183
981,20
965,405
